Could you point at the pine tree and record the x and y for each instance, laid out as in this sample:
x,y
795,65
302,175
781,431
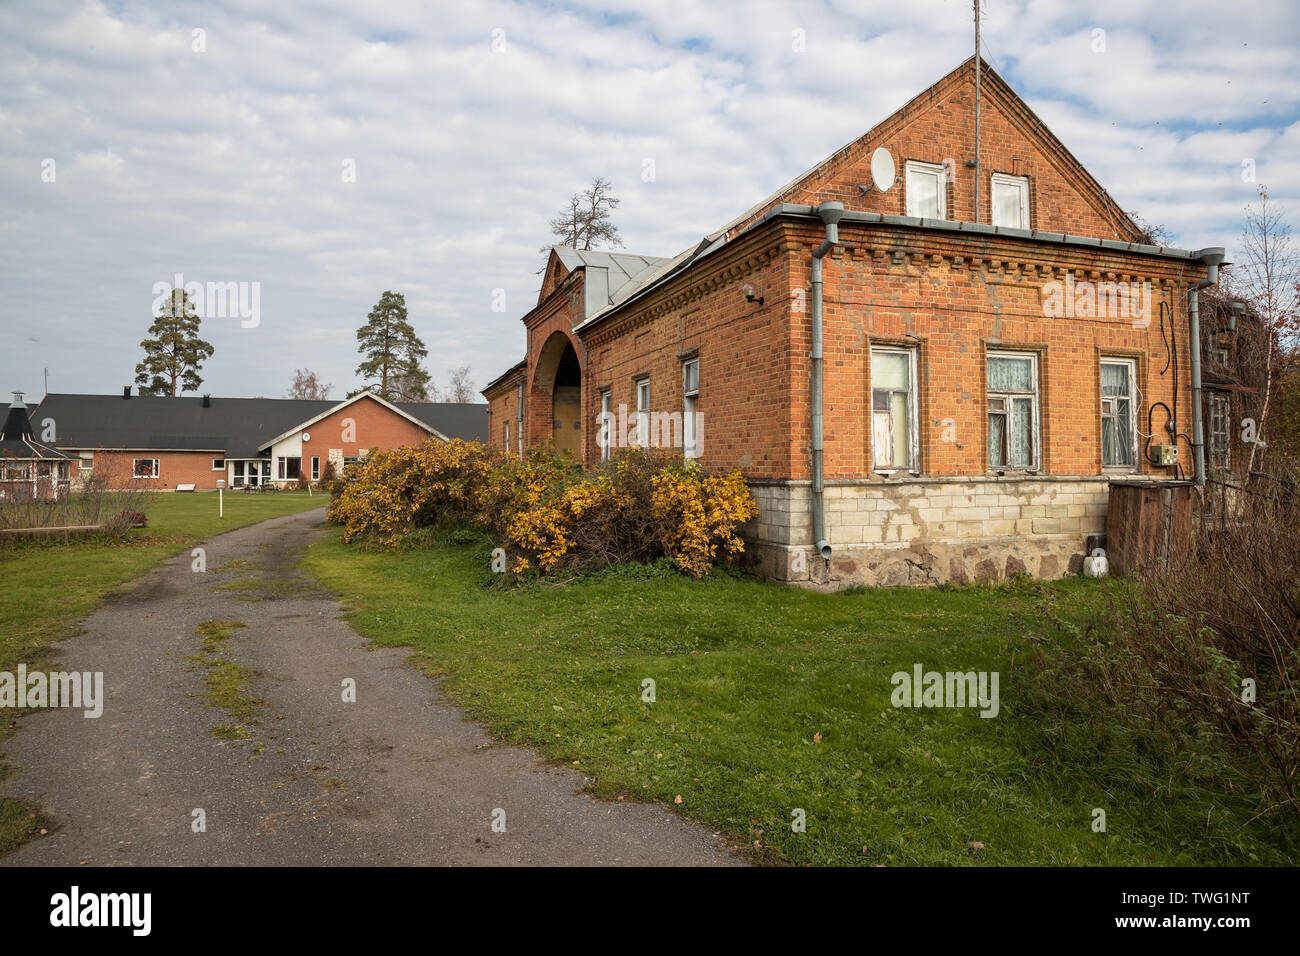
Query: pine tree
x,y
175,353
392,352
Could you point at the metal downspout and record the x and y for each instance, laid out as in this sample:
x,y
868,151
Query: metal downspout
x,y
830,213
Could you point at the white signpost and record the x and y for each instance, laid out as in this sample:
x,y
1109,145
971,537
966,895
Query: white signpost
x,y
221,505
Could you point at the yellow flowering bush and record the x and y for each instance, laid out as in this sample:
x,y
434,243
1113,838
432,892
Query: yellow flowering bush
x,y
432,483
699,515
550,514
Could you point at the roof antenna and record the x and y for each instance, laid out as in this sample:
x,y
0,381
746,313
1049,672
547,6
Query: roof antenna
x,y
977,110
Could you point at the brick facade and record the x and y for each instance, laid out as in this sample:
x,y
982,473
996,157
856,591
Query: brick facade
x,y
945,296
348,432
174,468
506,413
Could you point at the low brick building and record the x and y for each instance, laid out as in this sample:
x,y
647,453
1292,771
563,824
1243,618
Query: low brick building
x,y
246,442
917,389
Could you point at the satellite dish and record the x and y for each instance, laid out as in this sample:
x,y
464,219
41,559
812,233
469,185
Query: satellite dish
x,y
882,169
306,436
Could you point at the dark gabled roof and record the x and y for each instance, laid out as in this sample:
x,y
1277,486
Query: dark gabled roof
x,y
465,420
16,441
234,427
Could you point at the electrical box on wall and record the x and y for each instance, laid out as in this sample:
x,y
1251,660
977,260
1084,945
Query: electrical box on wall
x,y
1166,456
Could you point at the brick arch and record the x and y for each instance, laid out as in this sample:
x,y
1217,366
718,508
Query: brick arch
x,y
557,379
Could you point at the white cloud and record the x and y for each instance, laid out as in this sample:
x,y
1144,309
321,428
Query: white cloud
x,y
226,164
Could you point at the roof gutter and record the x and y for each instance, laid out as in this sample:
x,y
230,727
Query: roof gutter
x,y
830,213
977,228
1212,257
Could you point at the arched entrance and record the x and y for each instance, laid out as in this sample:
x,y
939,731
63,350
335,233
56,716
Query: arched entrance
x,y
557,386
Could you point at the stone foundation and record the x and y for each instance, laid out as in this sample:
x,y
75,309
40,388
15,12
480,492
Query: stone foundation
x,y
927,531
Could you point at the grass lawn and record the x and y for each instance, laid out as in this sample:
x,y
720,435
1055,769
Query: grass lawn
x,y
50,586
771,700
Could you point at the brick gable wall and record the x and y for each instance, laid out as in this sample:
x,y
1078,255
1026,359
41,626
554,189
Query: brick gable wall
x,y
938,127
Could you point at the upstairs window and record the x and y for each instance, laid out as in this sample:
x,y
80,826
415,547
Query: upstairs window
x,y
893,409
1010,200
1013,411
926,196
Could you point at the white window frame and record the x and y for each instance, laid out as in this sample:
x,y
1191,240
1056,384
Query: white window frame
x,y
315,467
157,472
519,417
915,167
220,467
605,431
1036,415
690,408
87,461
641,388
913,425
282,467
1007,181
507,441
1132,397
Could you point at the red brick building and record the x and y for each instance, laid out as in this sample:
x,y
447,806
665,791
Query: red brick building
x,y
977,377
166,443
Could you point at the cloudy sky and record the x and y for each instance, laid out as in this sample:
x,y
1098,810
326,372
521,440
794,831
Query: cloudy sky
x,y
328,151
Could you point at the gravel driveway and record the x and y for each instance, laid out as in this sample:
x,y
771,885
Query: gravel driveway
x,y
284,771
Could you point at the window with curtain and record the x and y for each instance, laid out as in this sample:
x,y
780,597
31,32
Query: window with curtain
x,y
1013,411
1118,409
893,409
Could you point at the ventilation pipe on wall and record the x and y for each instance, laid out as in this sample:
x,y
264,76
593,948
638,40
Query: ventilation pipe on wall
x,y
830,213
1212,257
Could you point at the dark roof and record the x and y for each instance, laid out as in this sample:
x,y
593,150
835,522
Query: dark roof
x,y
16,439
466,420
233,426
